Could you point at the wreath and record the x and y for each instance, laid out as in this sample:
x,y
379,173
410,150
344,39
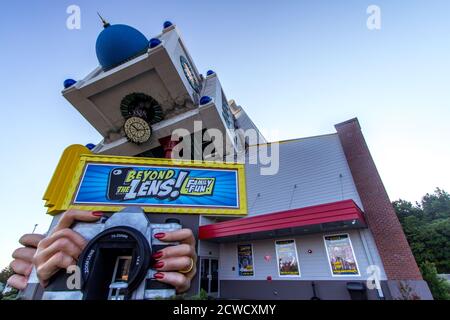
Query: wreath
x,y
142,106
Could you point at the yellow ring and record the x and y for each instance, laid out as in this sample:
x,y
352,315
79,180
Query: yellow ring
x,y
188,269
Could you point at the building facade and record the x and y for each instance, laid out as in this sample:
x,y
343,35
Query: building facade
x,y
328,207
321,227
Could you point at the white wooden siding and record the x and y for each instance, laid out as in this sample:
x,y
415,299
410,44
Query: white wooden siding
x,y
312,171
313,266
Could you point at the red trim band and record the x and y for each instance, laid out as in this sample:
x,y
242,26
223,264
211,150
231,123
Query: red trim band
x,y
345,210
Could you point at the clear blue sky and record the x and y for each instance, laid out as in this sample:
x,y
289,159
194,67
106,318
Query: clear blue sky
x,y
297,67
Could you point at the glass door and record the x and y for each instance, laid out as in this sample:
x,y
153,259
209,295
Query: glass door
x,y
214,278
209,276
204,274
119,281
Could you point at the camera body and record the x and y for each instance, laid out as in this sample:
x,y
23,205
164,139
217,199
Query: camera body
x,y
115,264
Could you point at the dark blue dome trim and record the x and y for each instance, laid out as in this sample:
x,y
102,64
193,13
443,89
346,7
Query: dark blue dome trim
x,y
167,24
90,146
68,83
205,100
154,42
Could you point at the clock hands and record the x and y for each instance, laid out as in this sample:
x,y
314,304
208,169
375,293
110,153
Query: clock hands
x,y
137,130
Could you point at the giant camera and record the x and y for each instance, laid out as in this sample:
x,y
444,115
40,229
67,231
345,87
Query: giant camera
x,y
115,264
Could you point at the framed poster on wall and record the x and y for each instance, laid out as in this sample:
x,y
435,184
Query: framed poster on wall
x,y
341,256
287,258
245,260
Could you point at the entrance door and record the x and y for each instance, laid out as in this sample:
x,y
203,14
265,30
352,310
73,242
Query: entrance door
x,y
120,278
209,276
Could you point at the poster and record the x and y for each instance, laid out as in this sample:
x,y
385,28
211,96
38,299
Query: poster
x,y
287,258
341,256
245,260
110,183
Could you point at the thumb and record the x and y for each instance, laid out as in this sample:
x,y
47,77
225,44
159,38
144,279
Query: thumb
x,y
70,216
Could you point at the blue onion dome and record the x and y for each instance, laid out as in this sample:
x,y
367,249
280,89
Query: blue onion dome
x,y
119,43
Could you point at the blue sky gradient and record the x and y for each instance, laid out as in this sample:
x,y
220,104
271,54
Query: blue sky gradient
x,y
297,67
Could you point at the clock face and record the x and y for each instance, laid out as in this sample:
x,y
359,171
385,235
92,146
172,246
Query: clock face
x,y
137,130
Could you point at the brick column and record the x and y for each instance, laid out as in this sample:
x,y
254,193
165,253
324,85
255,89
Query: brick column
x,y
398,260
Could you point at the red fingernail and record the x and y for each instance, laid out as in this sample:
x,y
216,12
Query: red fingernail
x,y
159,275
158,265
97,214
157,255
160,235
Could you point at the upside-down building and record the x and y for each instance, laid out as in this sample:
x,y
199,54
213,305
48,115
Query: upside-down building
x,y
322,226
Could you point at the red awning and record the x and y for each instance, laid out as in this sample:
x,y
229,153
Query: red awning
x,y
342,211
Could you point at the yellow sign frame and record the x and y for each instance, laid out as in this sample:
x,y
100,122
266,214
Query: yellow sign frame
x,y
65,181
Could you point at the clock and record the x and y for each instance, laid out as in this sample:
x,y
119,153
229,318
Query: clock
x,y
137,130
190,74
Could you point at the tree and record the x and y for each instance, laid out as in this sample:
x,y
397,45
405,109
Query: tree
x,y
5,274
436,206
405,209
438,286
427,228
